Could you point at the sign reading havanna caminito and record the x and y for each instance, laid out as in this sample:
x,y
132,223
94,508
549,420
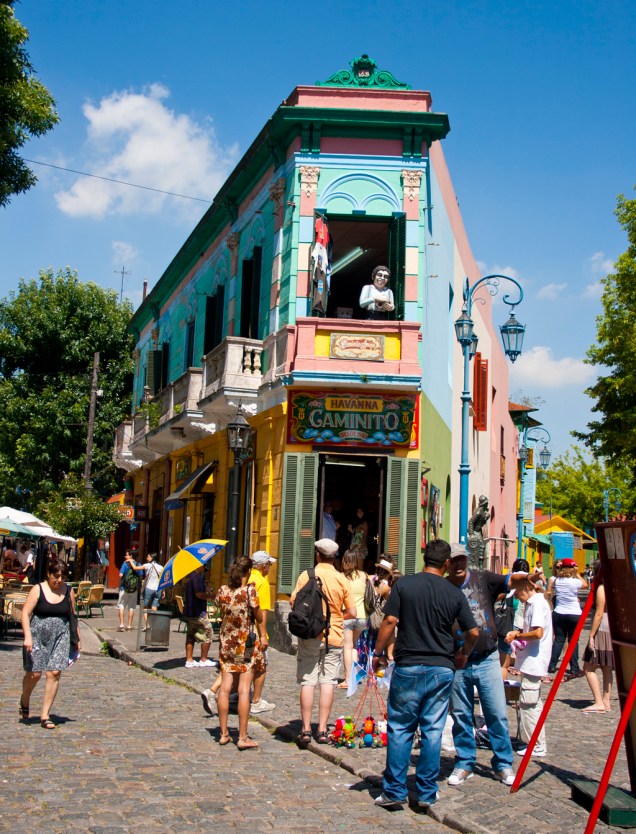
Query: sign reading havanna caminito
x,y
370,419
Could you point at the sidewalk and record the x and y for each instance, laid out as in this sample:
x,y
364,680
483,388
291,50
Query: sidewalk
x,y
578,743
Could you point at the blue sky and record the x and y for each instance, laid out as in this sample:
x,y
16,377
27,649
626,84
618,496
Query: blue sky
x,y
540,98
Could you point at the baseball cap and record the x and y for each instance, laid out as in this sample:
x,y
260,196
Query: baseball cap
x,y
458,549
327,547
262,557
568,563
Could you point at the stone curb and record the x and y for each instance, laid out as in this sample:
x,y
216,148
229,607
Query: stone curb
x,y
450,818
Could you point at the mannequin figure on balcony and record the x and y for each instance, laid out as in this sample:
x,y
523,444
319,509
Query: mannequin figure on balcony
x,y
476,545
376,299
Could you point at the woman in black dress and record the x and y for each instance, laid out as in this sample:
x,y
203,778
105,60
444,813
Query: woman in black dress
x,y
46,622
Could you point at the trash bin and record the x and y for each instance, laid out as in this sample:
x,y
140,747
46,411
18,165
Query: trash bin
x,y
158,631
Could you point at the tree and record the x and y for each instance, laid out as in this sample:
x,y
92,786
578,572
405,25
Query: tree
x,y
574,484
26,107
613,435
78,512
49,330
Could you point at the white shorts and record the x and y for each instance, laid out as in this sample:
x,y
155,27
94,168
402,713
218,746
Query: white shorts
x,y
127,600
313,666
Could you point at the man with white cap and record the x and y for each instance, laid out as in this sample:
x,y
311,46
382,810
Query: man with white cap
x,y
261,561
318,659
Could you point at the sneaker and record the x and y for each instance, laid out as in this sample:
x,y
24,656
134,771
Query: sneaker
x,y
208,662
121,628
458,776
383,801
422,804
537,753
261,706
190,664
209,701
506,775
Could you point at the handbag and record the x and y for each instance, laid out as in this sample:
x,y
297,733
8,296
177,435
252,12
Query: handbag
x,y
73,625
369,597
377,615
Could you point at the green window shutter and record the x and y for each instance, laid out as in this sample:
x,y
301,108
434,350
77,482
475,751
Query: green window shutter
x,y
397,262
296,547
403,513
153,371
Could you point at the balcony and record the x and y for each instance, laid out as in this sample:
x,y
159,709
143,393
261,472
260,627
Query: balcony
x,y
123,455
342,352
231,372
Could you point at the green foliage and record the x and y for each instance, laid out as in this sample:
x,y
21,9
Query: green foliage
x,y
49,330
26,106
613,435
574,485
152,412
79,512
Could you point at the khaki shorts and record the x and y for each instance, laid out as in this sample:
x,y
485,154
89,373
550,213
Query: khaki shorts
x,y
199,630
313,666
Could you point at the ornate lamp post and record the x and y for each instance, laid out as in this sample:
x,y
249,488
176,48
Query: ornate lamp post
x,y
238,437
512,337
544,461
606,501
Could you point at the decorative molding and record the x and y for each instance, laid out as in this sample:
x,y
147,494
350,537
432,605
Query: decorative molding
x,y
364,73
411,181
155,337
277,192
309,179
232,242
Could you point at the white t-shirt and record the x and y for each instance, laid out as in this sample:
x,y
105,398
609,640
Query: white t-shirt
x,y
153,575
566,590
25,558
535,657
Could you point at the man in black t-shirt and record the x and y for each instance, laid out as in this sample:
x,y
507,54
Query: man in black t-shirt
x,y
483,671
426,606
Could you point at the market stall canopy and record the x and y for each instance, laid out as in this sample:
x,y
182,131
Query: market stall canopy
x,y
12,528
36,525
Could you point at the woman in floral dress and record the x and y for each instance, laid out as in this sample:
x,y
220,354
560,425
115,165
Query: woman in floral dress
x,y
240,647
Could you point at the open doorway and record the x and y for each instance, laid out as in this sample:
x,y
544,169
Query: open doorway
x,y
349,483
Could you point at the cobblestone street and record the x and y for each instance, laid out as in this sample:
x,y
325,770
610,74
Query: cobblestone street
x,y
136,752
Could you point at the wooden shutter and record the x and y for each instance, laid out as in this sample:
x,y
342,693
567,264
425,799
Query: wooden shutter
x,y
480,393
297,536
403,513
153,371
255,300
247,281
165,363
397,262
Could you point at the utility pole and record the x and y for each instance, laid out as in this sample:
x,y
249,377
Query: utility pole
x,y
123,273
91,424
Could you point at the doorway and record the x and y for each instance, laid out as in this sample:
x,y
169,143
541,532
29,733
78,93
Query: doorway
x,y
350,482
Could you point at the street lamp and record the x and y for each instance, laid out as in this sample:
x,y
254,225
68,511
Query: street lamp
x,y
606,501
238,438
544,461
512,337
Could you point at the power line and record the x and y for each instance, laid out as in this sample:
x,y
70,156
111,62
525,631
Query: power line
x,y
119,182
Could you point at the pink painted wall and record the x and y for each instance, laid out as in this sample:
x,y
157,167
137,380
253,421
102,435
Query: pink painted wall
x,y
354,98
364,147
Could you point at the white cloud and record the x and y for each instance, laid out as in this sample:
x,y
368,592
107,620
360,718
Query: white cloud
x,y
134,137
538,367
124,253
496,269
593,291
600,265
551,291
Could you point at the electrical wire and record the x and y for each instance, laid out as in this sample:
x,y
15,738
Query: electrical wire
x,y
119,182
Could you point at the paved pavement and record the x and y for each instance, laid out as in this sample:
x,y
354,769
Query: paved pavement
x,y
147,751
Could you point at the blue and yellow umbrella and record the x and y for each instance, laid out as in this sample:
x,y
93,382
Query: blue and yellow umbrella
x,y
188,559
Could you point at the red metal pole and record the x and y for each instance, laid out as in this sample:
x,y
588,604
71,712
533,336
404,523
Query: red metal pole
x,y
611,759
553,691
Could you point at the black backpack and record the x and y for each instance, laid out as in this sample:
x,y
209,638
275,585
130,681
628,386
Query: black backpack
x,y
131,581
309,617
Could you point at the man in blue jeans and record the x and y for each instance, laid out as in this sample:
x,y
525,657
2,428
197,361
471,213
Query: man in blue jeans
x,y
426,606
481,589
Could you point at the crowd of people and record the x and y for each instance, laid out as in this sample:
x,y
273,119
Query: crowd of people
x,y
439,630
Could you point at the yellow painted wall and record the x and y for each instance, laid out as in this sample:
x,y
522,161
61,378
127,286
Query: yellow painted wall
x,y
322,345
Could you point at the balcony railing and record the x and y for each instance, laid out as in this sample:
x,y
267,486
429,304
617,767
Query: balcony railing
x,y
180,396
233,367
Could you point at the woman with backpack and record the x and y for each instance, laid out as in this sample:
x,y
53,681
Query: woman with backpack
x,y
128,590
153,571
353,628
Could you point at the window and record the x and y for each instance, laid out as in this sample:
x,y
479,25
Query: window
x,y
154,371
214,308
251,294
480,393
165,363
189,345
359,245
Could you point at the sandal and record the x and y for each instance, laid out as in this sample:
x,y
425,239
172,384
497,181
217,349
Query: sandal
x,y
47,724
246,743
322,738
343,685
24,711
304,739
225,738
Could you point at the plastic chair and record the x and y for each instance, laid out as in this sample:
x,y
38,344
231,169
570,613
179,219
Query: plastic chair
x,y
95,596
81,593
179,604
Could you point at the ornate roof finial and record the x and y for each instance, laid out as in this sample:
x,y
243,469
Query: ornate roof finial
x,y
364,73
